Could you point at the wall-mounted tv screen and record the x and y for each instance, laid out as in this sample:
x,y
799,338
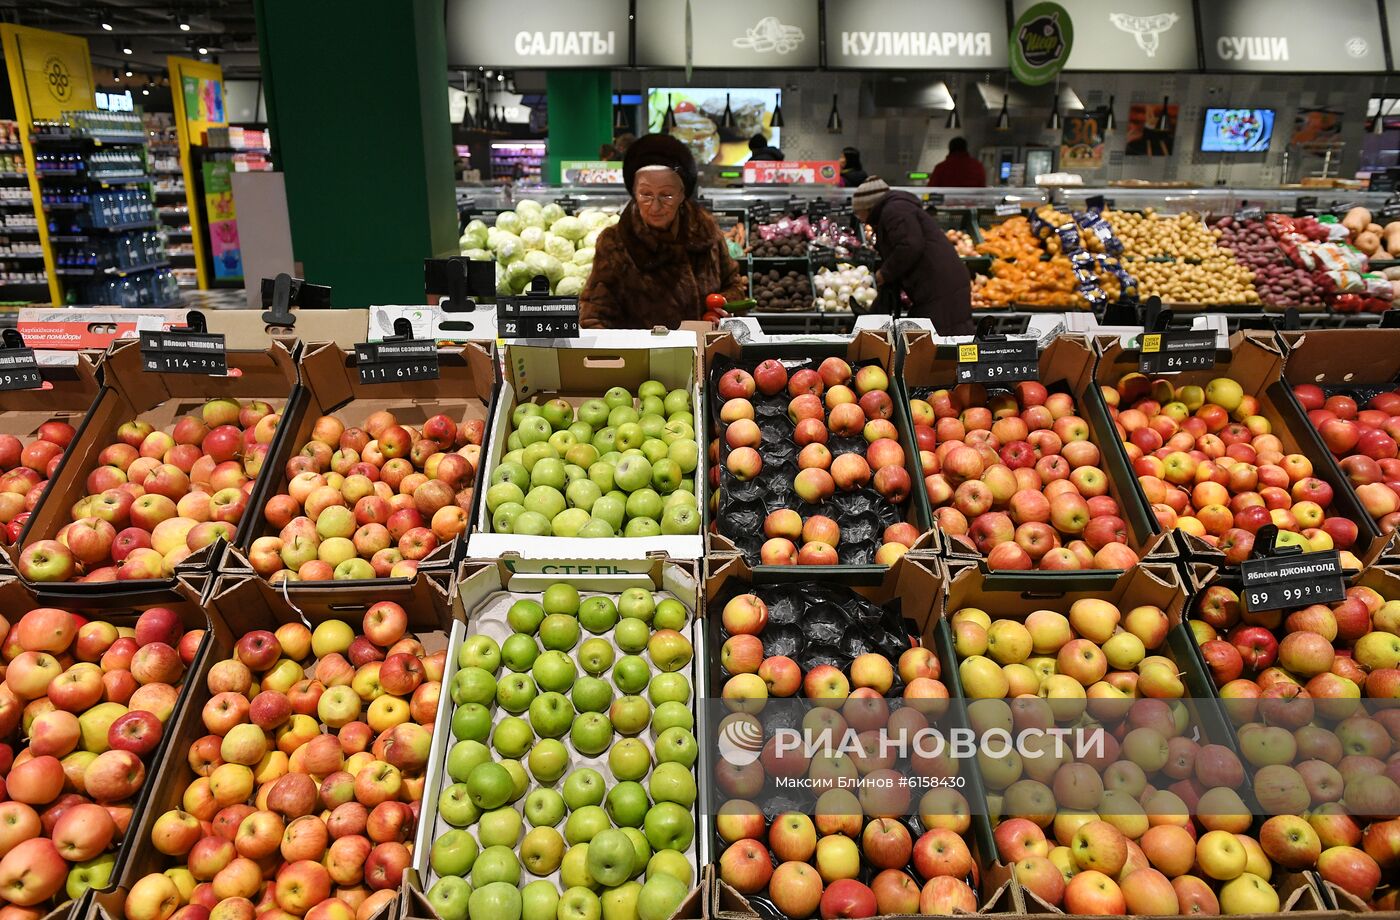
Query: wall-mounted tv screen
x,y
1237,130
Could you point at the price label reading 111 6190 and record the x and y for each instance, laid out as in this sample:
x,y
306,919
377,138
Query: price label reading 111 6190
x,y
397,361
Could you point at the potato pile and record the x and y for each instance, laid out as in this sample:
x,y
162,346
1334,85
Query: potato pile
x,y
1150,235
775,290
1216,279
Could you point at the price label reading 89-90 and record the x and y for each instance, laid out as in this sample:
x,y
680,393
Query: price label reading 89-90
x,y
999,362
19,370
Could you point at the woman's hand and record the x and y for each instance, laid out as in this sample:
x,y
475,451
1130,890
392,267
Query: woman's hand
x,y
879,279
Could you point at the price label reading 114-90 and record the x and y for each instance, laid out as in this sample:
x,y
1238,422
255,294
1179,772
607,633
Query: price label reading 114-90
x,y
184,353
999,362
1299,580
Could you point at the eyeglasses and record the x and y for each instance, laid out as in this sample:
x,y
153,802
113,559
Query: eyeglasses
x,y
653,200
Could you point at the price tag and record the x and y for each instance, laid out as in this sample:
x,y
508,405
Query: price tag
x,y
568,202
1249,214
818,209
1388,213
184,353
1094,203
999,362
759,211
19,370
935,199
397,360
1007,209
1292,581
1174,352
537,317
1305,203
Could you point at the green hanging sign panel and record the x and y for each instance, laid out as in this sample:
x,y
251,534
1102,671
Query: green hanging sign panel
x,y
1040,43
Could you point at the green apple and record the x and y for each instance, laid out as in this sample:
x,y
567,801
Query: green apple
x,y
627,804
548,760
597,614
519,652
670,613
677,745
605,439
655,450
497,900
660,897
534,453
545,500
531,524
473,685
496,864
573,871
524,410
669,826
637,603
612,509
672,863
653,426
672,714
499,827
450,897
630,714
669,650
600,473
512,737
514,473
542,851
490,785
644,503
631,672
591,733
544,807
573,473
503,518
515,455
580,903
561,441
551,715
539,900
90,873
455,805
669,688
463,757
610,857
582,493
569,522
620,903
584,823
655,410
548,472
525,616
533,430
504,492
633,472
561,597
584,787
671,782
617,396
680,521
597,528
591,694
629,759
595,655
471,722
554,670
519,779
558,412
653,389
641,847
676,430
623,415
480,652
583,453
676,402
559,631
515,693
631,635
685,453
594,412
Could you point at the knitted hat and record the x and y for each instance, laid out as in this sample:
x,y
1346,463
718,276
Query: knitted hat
x,y
871,192
659,150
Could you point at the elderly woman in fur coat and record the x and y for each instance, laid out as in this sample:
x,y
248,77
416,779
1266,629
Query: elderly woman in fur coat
x,y
657,265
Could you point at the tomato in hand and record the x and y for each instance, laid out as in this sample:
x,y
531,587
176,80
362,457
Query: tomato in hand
x,y
714,301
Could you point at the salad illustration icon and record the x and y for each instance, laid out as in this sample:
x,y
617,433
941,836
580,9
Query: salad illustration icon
x,y
768,34
1145,30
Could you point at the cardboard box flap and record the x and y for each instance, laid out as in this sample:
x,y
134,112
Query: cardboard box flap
x,y
1340,356
595,363
267,372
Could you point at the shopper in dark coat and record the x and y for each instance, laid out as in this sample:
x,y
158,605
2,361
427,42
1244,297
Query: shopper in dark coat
x,y
852,173
916,257
760,151
656,266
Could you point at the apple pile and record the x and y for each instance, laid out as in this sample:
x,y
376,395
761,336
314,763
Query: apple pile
x,y
155,497
93,700
308,782
1209,465
616,468
25,470
527,740
1326,763
840,419
1147,820
1365,441
370,502
1015,477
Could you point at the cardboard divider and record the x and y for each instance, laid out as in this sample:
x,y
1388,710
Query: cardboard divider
x,y
1257,365
863,348
577,370
69,394
914,588
331,386
130,392
16,598
1067,365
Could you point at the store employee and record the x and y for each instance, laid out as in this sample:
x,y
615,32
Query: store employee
x,y
657,265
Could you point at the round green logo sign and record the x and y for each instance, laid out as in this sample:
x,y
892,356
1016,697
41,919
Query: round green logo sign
x,y
1040,43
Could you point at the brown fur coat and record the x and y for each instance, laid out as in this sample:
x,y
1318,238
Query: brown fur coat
x,y
642,278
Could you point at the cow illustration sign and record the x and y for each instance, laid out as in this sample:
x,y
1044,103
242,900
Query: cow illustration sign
x,y
1040,43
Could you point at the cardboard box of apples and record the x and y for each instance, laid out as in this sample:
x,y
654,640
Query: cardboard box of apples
x,y
91,695
1027,476
1157,815
1310,691
594,450
835,824
562,781
161,475
1219,453
372,481
302,756
36,427
812,458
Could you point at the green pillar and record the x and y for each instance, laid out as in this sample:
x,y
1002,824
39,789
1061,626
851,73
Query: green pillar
x,y
357,104
580,116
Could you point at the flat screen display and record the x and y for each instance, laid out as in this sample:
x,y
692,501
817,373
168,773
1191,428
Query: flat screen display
x,y
1237,130
700,117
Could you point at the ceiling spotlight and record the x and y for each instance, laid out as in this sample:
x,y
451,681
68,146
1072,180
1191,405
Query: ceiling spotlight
x,y
145,92
116,77
106,26
128,73
203,50
500,78
126,50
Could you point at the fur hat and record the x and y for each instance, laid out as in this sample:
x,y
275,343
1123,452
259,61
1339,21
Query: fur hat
x,y
659,150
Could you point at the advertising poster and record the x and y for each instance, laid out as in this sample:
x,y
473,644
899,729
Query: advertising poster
x,y
223,223
1144,138
1081,140
591,172
1318,126
700,114
793,172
